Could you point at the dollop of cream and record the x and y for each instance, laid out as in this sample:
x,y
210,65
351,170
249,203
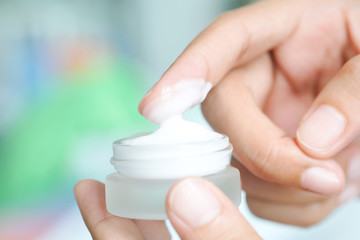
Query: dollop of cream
x,y
175,131
176,100
167,111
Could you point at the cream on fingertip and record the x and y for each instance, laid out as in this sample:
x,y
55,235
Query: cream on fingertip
x,y
176,99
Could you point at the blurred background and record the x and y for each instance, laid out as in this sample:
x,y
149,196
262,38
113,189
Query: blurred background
x,y
71,75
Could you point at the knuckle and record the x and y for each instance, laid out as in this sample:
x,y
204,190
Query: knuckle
x,y
264,166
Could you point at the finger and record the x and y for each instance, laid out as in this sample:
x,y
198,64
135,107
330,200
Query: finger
x,y
305,214
333,120
232,39
154,229
348,159
289,205
300,215
261,146
90,196
92,206
317,59
102,225
199,210
272,192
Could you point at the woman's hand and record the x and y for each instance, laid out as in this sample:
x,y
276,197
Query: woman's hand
x,y
287,93
290,205
196,208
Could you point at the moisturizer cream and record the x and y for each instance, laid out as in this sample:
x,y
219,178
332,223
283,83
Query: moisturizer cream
x,y
148,165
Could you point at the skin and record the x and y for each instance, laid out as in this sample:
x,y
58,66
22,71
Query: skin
x,y
102,225
227,223
271,68
304,71
273,65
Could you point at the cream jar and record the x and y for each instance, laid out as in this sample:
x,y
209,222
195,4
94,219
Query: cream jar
x,y
146,172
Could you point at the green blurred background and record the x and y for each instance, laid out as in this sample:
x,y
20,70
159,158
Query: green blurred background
x,y
71,76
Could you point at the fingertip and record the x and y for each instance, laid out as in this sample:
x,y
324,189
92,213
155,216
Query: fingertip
x,y
90,196
80,186
89,193
173,97
145,100
320,180
326,178
193,201
86,185
197,209
332,121
321,130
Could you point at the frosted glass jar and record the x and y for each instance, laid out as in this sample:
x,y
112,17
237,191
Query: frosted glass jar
x,y
145,174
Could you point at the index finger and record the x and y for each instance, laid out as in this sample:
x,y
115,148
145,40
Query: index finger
x,y
234,38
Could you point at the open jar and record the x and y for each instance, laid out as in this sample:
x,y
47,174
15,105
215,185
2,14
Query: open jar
x,y
145,173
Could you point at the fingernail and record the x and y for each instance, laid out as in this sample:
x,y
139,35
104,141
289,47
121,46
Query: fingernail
x,y
146,95
194,203
322,128
348,194
320,180
353,172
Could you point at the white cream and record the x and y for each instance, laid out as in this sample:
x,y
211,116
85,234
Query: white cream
x,y
175,131
176,100
167,111
147,166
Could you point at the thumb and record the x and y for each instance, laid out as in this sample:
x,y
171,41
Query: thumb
x,y
333,122
197,209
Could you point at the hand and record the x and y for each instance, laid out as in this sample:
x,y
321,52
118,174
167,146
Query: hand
x,y
285,92
196,208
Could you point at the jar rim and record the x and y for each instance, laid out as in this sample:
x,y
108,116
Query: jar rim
x,y
122,150
171,160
